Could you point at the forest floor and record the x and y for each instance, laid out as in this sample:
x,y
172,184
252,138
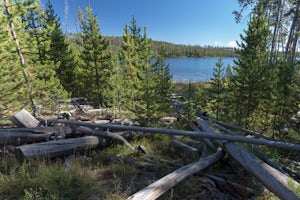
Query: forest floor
x,y
116,172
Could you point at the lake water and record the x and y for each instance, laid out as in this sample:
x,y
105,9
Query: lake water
x,y
194,69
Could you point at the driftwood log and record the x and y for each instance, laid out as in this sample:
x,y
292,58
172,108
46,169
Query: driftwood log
x,y
55,148
272,179
217,136
159,187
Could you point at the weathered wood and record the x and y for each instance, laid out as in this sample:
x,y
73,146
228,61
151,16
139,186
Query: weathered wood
x,y
256,150
114,136
272,179
13,138
55,148
181,147
243,191
24,119
203,151
207,141
231,126
159,187
217,136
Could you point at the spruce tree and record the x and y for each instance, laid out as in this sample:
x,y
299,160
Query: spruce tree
x,y
96,67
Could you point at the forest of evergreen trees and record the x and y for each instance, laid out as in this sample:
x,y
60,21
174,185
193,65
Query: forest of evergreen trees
x,y
39,64
180,50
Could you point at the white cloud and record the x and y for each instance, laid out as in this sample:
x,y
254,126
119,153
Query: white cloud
x,y
232,44
217,43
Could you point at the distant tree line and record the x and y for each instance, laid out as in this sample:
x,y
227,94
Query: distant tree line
x,y
179,50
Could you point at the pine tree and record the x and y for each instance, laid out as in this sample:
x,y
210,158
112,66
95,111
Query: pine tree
x,y
251,71
34,70
146,78
130,62
47,85
60,52
218,88
163,82
13,90
146,98
96,67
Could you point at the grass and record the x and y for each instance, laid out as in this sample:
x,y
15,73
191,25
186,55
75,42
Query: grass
x,y
41,180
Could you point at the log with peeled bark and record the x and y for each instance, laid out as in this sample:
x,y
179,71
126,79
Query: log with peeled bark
x,y
18,138
231,126
207,141
183,148
274,180
217,136
55,148
257,151
159,187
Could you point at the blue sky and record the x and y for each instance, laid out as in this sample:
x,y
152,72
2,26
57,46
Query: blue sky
x,y
194,22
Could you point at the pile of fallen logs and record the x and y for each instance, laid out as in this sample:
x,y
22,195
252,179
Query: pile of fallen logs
x,y
36,139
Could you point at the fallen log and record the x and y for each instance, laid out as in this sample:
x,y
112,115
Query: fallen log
x,y
55,148
114,136
207,141
217,136
271,178
181,147
231,126
19,138
256,150
159,187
